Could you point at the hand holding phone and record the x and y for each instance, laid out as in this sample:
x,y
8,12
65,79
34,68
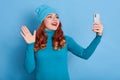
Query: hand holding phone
x,y
97,26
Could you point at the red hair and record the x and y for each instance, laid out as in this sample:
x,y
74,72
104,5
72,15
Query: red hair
x,y
58,39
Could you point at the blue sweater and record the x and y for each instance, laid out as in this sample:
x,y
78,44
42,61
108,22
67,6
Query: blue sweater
x,y
51,64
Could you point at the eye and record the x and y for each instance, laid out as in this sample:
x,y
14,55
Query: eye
x,y
49,17
57,17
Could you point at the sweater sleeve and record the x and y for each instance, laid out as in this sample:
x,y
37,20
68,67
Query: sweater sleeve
x,y
29,58
79,51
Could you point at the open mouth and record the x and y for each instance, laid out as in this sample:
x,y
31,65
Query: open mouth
x,y
54,23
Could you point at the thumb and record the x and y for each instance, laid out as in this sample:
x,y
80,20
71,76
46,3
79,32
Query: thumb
x,y
34,34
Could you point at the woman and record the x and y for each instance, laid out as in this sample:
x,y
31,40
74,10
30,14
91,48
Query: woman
x,y
48,47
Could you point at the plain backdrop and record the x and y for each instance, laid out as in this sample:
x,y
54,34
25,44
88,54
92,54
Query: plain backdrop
x,y
77,21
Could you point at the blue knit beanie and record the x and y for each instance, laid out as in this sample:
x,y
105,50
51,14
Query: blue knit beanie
x,y
43,11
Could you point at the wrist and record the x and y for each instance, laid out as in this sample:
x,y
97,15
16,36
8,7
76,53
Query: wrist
x,y
99,34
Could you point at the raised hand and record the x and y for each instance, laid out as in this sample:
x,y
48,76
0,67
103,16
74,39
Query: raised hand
x,y
98,28
28,37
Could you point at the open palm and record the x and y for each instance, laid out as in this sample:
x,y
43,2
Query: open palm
x,y
29,38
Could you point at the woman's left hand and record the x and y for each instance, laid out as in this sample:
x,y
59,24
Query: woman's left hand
x,y
98,28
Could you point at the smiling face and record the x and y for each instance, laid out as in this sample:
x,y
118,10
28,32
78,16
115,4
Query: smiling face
x,y
51,21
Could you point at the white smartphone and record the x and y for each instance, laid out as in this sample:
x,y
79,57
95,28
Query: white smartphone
x,y
96,17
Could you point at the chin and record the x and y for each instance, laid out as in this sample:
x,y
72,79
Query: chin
x,y
55,28
52,28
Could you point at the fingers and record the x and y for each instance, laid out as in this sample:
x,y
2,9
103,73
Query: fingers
x,y
25,31
25,38
97,27
28,37
22,34
95,30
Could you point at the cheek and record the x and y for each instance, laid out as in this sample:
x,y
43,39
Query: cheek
x,y
47,23
58,23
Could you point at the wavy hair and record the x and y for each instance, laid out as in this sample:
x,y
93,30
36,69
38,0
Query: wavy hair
x,y
58,39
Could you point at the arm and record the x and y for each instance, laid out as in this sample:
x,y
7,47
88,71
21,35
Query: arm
x,y
86,52
29,58
79,51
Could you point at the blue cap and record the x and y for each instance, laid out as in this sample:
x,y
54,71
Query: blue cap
x,y
43,11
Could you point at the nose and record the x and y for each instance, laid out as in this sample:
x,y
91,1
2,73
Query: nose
x,y
54,18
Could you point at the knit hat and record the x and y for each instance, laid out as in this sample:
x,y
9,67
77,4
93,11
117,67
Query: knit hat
x,y
43,11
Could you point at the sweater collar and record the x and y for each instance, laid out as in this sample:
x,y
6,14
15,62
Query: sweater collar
x,y
49,32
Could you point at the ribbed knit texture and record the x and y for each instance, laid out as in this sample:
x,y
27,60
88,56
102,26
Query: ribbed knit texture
x,y
52,64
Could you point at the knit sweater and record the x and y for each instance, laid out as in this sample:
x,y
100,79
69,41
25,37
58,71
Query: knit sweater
x,y
50,64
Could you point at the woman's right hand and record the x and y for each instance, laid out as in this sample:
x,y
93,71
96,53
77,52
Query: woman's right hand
x,y
28,37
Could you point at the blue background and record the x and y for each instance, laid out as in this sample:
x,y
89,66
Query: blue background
x,y
77,20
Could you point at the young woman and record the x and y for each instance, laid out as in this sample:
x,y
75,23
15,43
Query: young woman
x,y
48,47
